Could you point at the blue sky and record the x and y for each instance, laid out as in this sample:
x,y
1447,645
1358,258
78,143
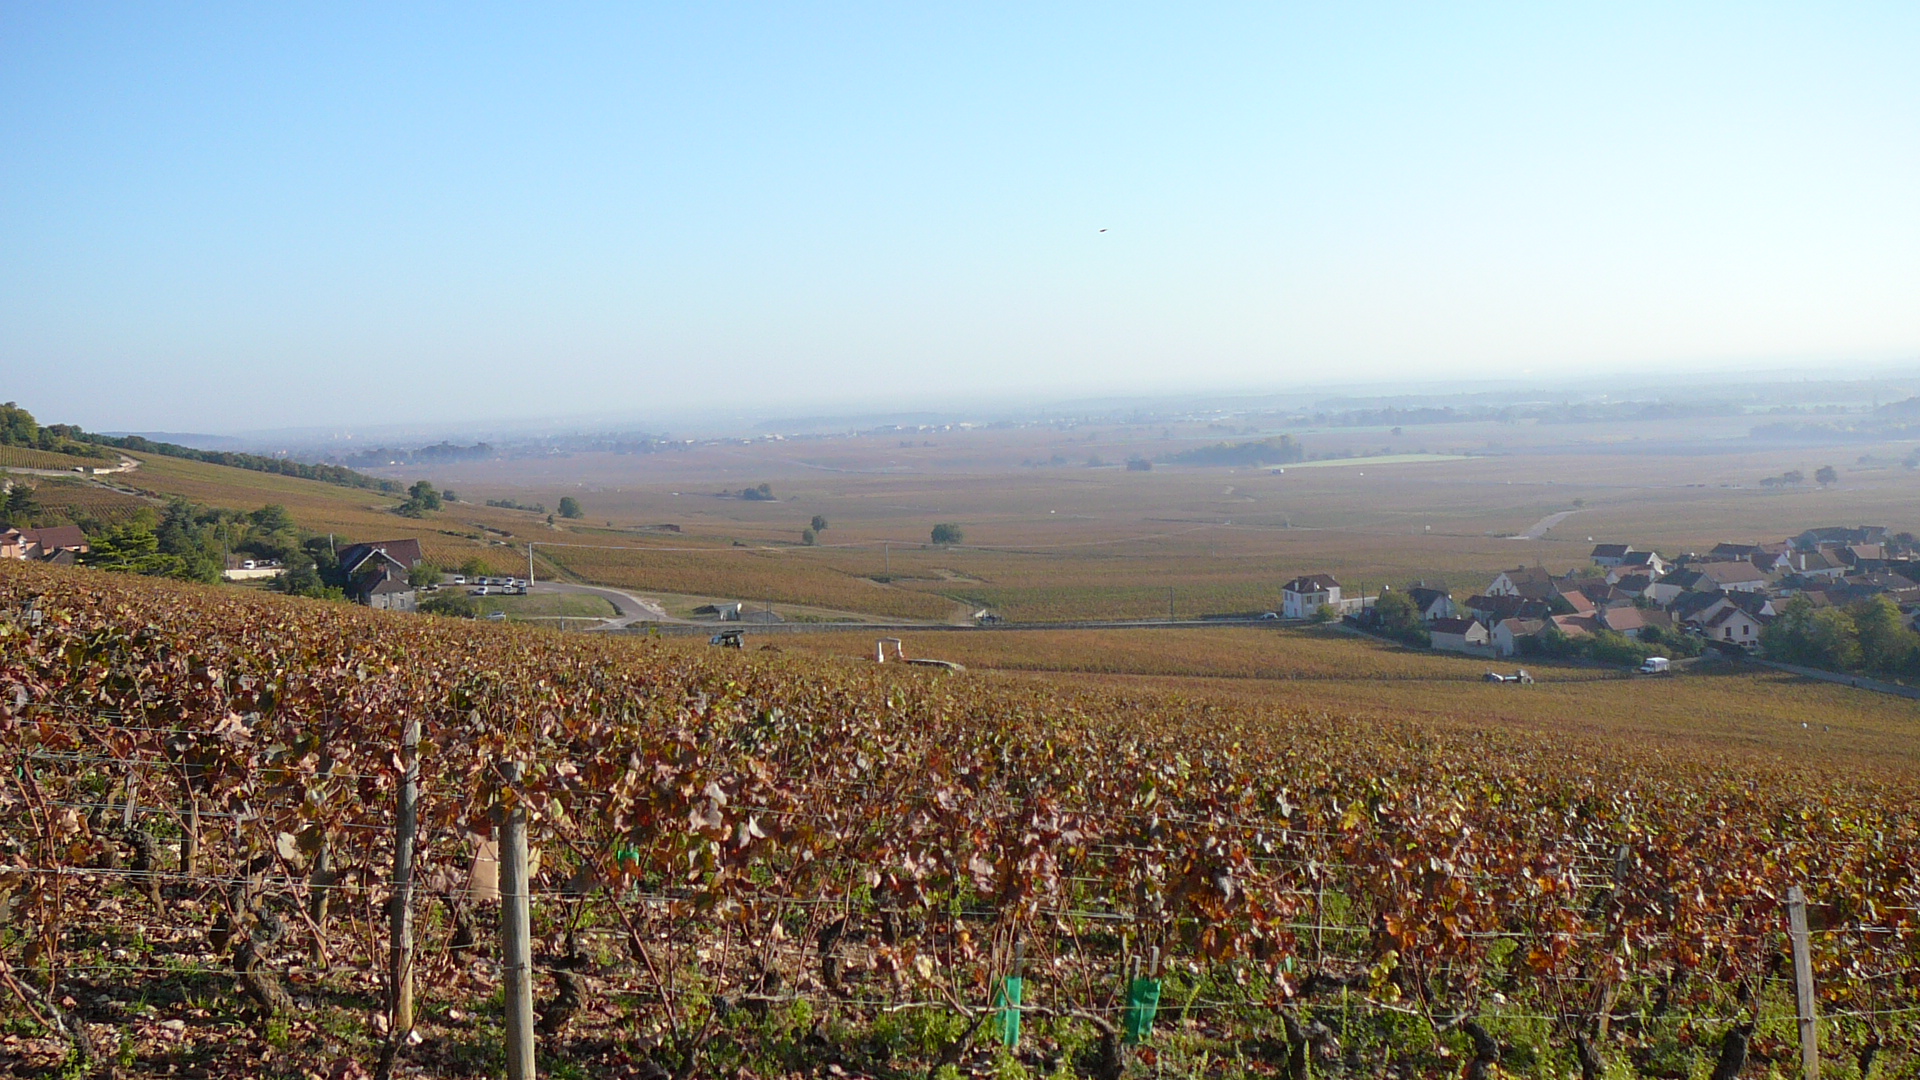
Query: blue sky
x,y
229,217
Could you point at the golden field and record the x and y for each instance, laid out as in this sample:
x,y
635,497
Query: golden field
x,y
1718,707
1071,541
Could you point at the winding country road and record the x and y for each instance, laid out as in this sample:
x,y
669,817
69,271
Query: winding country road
x,y
632,608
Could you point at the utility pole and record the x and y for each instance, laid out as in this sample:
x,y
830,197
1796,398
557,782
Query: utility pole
x,y
529,564
888,548
1169,603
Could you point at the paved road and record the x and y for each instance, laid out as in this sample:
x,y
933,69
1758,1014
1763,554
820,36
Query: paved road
x,y
685,626
1858,682
1540,527
632,608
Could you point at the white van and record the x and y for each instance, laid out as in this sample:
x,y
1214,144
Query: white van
x,y
1655,665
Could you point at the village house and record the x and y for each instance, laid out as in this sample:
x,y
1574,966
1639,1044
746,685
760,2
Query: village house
x,y
1304,596
388,592
1574,625
1532,582
1508,635
1459,635
1579,601
1645,562
1739,576
1632,621
1491,609
1863,556
1688,608
1609,554
1772,558
1667,588
1819,563
1631,584
1841,534
1733,626
1432,603
404,555
377,573
56,544
1727,597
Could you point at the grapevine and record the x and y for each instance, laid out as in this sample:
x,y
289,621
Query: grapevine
x,y
721,832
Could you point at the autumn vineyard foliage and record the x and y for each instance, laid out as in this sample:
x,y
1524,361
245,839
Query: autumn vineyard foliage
x,y
197,811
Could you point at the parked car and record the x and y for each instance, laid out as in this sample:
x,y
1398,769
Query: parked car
x,y
459,579
481,591
1269,615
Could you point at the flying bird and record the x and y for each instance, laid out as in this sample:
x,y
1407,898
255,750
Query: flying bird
x,y
1103,230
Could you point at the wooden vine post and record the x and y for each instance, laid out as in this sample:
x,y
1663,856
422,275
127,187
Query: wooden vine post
x,y
406,824
1803,983
516,932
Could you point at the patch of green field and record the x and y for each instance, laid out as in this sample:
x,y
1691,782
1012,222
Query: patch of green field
x,y
1377,459
547,606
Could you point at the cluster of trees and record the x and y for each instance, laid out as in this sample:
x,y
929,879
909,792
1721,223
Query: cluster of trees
x,y
189,542
811,534
19,509
19,428
1868,637
1824,475
760,493
1608,647
509,504
1396,616
421,498
947,533
439,453
1279,450
326,474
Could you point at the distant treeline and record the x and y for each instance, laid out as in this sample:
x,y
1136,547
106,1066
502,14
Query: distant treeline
x,y
1567,413
328,474
1275,451
1899,420
439,453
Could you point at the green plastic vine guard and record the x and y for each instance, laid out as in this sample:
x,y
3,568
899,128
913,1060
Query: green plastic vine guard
x,y
1143,1001
1007,1000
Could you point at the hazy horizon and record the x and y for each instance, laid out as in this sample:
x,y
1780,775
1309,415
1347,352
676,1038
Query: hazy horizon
x,y
226,219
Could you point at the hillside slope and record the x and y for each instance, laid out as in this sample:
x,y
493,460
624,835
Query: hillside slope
x,y
806,837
